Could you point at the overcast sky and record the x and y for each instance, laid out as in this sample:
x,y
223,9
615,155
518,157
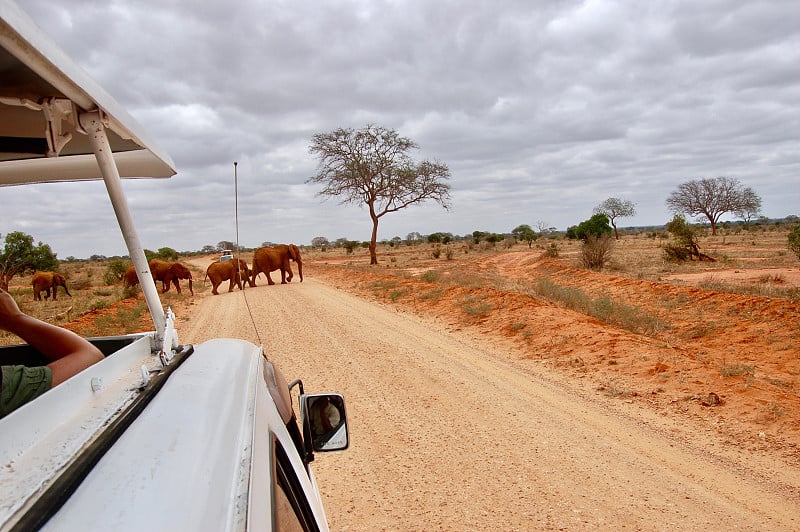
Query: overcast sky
x,y
541,109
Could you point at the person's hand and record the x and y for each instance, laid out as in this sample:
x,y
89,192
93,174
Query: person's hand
x,y
9,311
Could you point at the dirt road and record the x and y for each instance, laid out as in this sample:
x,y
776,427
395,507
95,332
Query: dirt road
x,y
449,433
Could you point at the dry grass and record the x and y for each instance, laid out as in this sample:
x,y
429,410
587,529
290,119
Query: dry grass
x,y
95,308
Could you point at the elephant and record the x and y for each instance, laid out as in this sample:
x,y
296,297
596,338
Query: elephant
x,y
166,272
131,279
217,272
170,272
44,281
268,259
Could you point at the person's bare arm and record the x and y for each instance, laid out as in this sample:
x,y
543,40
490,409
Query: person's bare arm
x,y
68,353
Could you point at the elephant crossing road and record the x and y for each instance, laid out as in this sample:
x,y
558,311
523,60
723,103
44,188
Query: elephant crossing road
x,y
218,272
166,272
268,259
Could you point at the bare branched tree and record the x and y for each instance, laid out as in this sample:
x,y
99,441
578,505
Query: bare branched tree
x,y
750,205
371,166
712,198
616,208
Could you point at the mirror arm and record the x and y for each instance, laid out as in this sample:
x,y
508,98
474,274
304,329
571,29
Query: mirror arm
x,y
297,382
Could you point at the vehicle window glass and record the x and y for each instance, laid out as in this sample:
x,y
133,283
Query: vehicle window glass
x,y
292,510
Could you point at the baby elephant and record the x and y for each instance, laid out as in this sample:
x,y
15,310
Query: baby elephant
x,y
44,281
218,272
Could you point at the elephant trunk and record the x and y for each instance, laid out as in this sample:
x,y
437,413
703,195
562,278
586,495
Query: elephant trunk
x,y
190,286
66,290
300,270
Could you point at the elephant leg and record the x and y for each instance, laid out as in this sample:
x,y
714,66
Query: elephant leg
x,y
269,279
214,286
47,293
55,292
177,285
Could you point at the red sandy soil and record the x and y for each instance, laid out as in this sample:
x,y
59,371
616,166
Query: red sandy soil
x,y
726,361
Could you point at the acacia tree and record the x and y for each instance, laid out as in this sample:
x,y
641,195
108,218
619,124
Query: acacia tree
x,y
320,242
616,208
525,232
372,166
20,255
750,205
712,198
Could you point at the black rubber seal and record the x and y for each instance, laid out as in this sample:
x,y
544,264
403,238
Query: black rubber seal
x,y
62,488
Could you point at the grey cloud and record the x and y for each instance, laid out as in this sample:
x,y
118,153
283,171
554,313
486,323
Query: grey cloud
x,y
540,110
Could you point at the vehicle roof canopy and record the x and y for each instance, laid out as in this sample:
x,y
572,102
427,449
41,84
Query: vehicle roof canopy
x,y
42,94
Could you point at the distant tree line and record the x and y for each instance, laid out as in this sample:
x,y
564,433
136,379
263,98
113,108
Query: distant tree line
x,y
372,166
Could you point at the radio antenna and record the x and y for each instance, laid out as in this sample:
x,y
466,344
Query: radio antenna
x,y
237,256
236,216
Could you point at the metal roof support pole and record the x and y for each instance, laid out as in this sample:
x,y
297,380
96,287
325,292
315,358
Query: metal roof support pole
x,y
93,125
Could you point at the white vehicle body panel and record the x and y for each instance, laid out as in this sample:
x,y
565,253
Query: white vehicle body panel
x,y
188,449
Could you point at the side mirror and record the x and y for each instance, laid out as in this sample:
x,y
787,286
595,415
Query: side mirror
x,y
324,422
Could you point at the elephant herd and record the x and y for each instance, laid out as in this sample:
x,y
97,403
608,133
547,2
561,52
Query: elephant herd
x,y
265,260
167,272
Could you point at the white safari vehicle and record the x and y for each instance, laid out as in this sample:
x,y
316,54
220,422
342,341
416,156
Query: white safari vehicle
x,y
158,435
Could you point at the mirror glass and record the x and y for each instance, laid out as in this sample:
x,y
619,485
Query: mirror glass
x,y
325,421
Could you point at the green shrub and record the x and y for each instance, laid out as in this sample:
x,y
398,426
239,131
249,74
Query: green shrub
x,y
597,225
794,240
475,307
98,305
433,295
430,276
673,253
115,271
